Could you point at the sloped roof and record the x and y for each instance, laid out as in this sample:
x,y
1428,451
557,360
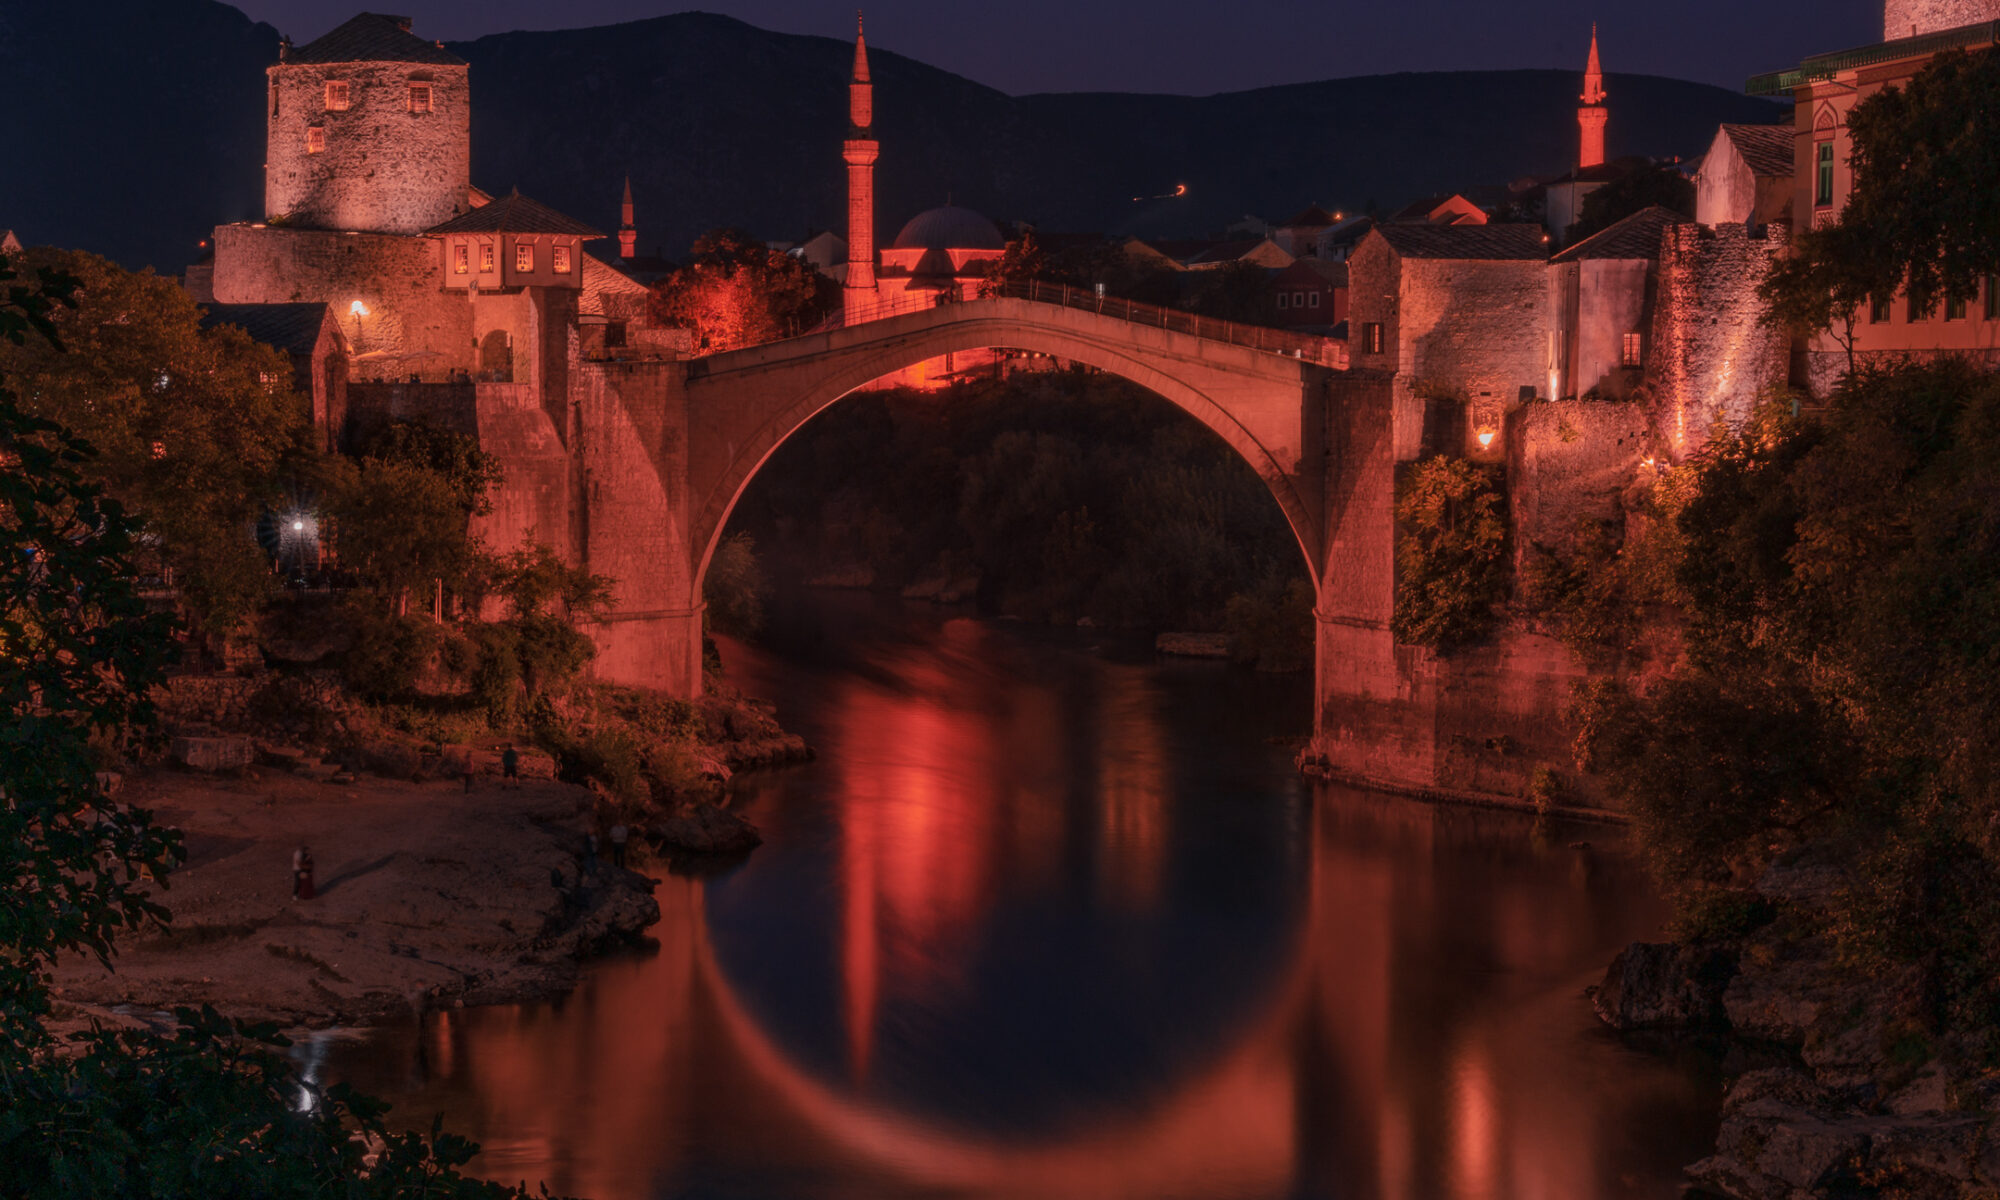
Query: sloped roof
x,y
373,37
293,328
1466,241
515,213
1767,149
1637,236
949,228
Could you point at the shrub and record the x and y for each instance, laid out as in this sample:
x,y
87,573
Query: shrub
x,y
1451,552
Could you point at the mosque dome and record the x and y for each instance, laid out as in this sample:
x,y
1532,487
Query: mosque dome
x,y
949,228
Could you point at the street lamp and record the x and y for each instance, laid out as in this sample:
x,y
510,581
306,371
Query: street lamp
x,y
359,310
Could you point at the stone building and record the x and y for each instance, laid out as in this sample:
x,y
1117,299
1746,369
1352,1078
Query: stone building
x,y
1311,293
1602,297
1746,176
310,335
1824,89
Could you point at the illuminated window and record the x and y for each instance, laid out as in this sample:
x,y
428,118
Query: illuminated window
x,y
1633,351
1878,310
1823,195
1954,309
461,258
336,95
559,259
524,257
486,256
315,139
1371,337
420,97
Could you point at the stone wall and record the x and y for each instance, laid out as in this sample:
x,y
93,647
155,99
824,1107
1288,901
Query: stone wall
x,y
1570,462
450,406
413,325
384,168
533,498
1712,354
1905,18
1593,304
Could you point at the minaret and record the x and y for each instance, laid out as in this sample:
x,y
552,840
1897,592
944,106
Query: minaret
x,y
628,234
860,150
1592,115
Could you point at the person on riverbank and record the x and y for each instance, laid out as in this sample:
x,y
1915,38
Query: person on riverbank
x,y
618,836
510,766
302,874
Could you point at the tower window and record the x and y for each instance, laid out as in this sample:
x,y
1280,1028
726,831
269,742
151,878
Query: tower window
x,y
1823,193
1633,351
461,258
524,257
559,259
420,97
336,95
1371,337
486,257
315,139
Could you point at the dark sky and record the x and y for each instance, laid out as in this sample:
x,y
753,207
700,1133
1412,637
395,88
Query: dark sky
x,y
1197,47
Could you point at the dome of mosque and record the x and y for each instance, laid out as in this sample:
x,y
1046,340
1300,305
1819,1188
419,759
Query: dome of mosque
x,y
949,228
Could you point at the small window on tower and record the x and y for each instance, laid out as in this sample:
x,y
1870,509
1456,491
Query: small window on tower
x,y
1371,337
420,97
461,258
336,95
559,259
486,257
1634,350
315,139
524,257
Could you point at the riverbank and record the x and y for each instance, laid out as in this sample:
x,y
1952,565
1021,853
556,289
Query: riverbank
x,y
427,895
1842,1085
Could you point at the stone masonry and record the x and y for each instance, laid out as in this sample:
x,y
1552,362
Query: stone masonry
x,y
1907,18
1713,355
382,167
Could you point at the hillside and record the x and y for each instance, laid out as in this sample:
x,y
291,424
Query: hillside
x,y
720,122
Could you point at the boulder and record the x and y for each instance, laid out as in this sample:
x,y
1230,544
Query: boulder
x,y
706,829
213,753
1661,985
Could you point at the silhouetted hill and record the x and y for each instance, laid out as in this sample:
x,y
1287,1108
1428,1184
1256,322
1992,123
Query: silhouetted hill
x,y
135,125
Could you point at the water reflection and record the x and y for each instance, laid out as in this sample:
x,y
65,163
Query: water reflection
x,y
1044,922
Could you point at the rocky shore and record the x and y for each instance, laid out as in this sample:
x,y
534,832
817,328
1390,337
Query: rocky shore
x,y
1839,1088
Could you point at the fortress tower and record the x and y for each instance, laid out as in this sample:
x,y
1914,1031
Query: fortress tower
x,y
860,151
1908,18
369,130
1592,115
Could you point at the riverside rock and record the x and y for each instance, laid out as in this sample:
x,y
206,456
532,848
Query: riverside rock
x,y
1660,985
706,829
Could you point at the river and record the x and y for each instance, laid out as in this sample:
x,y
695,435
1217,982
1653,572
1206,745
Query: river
x,y
1049,918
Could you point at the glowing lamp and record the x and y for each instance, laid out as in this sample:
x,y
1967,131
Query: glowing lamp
x,y
358,309
1485,439
298,526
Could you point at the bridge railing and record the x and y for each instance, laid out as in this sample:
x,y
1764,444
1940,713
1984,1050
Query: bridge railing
x,y
1327,352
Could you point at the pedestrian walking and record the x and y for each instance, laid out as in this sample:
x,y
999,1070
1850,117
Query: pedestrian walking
x,y
302,874
510,765
618,835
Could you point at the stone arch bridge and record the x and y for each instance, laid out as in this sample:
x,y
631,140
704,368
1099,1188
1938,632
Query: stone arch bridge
x,y
641,466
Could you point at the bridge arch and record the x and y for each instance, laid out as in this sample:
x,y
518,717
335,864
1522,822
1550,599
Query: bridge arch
x,y
781,387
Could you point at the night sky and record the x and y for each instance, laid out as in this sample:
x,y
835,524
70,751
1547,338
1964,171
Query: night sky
x,y
1197,47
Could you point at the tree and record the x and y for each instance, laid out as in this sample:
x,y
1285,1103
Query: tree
x,y
1921,215
193,429
1635,191
736,292
208,1110
1451,552
733,589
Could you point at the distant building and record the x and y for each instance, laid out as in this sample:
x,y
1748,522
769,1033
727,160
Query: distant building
x,y
9,244
1448,209
1310,294
1602,294
310,335
1300,235
1255,252
1746,176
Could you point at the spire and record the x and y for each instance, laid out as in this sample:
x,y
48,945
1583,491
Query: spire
x,y
860,151
628,233
1591,117
1593,73
860,50
860,91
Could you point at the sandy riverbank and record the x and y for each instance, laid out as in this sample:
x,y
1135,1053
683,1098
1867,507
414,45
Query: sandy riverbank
x,y
427,896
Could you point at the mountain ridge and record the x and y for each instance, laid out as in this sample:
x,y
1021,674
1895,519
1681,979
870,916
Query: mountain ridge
x,y
720,122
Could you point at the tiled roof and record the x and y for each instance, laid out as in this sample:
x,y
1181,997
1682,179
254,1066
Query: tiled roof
x,y
1766,148
1227,252
1312,216
1637,236
1466,241
373,37
293,328
515,213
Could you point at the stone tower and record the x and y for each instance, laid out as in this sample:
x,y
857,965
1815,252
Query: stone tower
x,y
860,151
368,130
1908,18
1592,115
628,233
